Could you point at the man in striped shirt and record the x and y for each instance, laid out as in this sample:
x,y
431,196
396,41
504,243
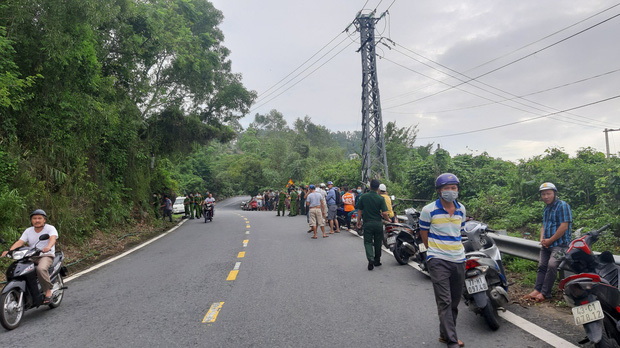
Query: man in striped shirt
x,y
441,223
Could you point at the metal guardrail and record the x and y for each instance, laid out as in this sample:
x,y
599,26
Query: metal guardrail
x,y
519,247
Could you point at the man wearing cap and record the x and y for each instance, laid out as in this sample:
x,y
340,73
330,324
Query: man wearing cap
x,y
371,207
281,202
332,207
555,235
388,201
38,219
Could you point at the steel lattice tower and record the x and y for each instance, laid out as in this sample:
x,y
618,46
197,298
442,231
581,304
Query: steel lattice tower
x,y
374,162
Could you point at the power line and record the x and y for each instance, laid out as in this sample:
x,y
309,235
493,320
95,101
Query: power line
x,y
302,64
483,97
524,95
507,64
303,78
513,99
522,121
301,72
543,38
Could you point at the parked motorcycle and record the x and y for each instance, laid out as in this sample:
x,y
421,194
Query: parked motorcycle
x,y
208,212
486,287
408,242
23,291
593,291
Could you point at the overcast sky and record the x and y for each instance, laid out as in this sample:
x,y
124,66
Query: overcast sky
x,y
271,38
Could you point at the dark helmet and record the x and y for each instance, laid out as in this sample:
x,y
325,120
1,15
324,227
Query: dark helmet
x,y
446,179
38,212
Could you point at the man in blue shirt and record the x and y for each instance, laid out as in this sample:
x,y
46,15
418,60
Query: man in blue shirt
x,y
555,235
332,207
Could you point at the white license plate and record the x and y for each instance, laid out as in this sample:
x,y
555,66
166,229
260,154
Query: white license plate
x,y
421,247
588,313
391,240
476,284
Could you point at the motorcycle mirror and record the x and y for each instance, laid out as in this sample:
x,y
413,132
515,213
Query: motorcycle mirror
x,y
44,237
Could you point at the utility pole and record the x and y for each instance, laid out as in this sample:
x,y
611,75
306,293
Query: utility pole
x,y
374,162
606,131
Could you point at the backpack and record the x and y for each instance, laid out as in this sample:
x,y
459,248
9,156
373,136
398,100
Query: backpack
x,y
338,197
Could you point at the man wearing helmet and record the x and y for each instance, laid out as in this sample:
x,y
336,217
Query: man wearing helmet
x,y
38,219
555,235
441,223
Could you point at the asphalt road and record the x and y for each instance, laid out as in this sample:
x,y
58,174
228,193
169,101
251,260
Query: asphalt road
x,y
290,291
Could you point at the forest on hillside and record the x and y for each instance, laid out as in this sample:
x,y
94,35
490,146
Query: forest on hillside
x,y
103,102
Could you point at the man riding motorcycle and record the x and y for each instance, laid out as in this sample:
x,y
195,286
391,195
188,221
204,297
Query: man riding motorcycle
x,y
30,236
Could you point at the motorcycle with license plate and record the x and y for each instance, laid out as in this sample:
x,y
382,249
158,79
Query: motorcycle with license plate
x,y
208,211
486,287
23,291
408,242
593,290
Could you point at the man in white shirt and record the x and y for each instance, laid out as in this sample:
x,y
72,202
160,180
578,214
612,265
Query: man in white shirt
x,y
31,235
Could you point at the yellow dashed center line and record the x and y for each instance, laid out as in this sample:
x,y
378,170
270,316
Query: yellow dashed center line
x,y
232,275
213,312
241,255
248,226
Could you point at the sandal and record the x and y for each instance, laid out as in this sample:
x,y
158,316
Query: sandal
x,y
313,237
443,340
47,300
325,236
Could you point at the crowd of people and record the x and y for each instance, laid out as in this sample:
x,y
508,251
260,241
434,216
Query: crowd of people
x,y
193,204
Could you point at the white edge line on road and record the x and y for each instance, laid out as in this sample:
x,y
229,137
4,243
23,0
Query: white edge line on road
x,y
99,265
536,330
523,324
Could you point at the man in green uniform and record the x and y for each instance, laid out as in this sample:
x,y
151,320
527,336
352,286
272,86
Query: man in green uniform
x,y
186,205
197,206
191,206
302,200
281,205
293,211
371,207
155,205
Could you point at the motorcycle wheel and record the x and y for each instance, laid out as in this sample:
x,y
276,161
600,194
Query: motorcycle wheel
x,y
399,254
12,312
59,295
607,341
206,218
490,316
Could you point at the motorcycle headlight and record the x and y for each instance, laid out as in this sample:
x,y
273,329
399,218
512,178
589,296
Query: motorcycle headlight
x,y
19,254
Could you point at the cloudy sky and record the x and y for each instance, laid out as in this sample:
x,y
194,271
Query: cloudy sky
x,y
523,52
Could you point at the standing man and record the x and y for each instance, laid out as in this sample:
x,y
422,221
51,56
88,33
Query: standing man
x,y
441,223
302,200
555,235
388,201
30,236
293,210
349,205
167,208
282,202
371,207
191,205
332,207
315,211
198,204
186,205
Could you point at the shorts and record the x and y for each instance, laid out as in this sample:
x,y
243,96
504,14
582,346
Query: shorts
x,y
331,211
316,217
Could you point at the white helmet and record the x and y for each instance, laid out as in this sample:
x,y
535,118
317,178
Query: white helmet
x,y
382,188
322,184
547,186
